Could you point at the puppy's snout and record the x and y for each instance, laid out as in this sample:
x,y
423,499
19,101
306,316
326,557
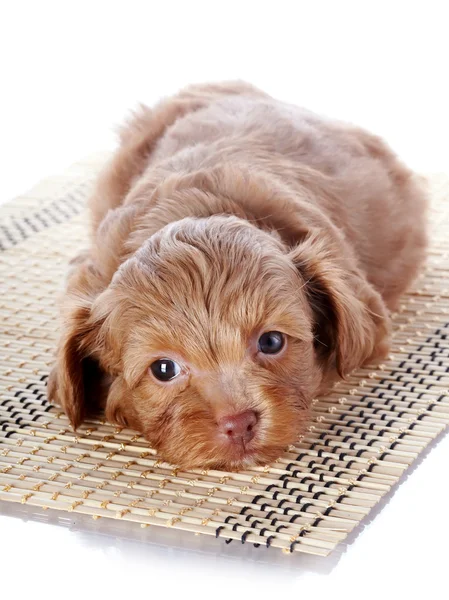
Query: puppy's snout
x,y
238,428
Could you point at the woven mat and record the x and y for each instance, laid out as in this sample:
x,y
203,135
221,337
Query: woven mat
x,y
362,437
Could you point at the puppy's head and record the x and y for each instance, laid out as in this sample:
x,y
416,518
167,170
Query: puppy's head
x,y
217,337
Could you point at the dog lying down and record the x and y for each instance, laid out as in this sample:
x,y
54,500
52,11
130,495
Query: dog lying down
x,y
244,254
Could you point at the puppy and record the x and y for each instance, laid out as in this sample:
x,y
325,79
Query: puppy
x,y
244,253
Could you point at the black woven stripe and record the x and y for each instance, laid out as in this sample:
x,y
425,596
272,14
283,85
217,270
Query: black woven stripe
x,y
59,211
33,406
286,483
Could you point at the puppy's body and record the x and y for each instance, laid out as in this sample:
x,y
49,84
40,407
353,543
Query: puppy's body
x,y
225,214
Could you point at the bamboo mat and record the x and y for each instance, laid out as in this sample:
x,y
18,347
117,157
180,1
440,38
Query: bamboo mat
x,y
361,438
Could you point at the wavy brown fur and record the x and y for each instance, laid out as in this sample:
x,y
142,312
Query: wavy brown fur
x,y
225,213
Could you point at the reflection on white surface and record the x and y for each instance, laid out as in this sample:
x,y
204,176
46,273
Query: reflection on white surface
x,y
159,541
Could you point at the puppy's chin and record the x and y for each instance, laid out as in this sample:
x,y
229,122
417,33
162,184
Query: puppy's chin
x,y
224,460
203,450
250,457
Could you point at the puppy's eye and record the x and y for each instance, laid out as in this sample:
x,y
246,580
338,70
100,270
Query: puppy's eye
x,y
165,369
271,342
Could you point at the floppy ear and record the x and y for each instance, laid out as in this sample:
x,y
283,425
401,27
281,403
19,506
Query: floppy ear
x,y
77,381
351,321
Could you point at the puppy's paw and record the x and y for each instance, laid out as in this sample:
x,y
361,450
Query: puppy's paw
x,y
53,387
381,353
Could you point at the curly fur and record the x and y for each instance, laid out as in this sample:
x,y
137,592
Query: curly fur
x,y
225,213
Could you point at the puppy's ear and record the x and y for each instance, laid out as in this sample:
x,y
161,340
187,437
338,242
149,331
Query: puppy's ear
x,y
77,382
351,322
76,379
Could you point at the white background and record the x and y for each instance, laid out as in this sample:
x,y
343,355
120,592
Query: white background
x,y
69,72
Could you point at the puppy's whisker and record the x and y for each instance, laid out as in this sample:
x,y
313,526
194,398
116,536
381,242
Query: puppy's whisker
x,y
317,339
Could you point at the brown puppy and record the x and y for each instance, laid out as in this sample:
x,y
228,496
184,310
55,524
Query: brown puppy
x,y
244,252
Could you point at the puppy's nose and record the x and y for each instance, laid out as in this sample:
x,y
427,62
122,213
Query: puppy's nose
x,y
240,427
